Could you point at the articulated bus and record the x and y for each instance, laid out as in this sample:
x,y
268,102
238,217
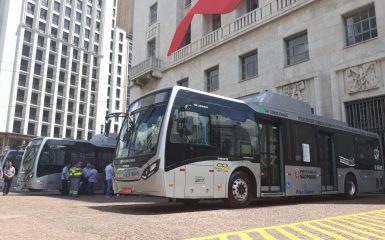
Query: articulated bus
x,y
189,145
44,159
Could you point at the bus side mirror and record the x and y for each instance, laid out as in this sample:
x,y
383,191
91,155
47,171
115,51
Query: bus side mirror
x,y
107,128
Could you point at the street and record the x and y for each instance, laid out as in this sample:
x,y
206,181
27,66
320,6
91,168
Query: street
x,y
50,216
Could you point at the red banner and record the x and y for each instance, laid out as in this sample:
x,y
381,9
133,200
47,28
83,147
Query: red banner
x,y
202,7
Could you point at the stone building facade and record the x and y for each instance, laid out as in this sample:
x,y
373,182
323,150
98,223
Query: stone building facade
x,y
328,53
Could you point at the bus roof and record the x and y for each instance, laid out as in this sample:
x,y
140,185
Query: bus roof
x,y
277,105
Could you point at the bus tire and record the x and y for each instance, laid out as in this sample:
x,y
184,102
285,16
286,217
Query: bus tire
x,y
351,189
239,190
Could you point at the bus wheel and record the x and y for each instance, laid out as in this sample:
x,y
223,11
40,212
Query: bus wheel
x,y
350,187
239,192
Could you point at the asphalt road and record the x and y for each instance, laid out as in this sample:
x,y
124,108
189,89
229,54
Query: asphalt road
x,y
50,216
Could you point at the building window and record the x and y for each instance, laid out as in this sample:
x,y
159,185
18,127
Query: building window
x,y
24,65
55,19
42,27
40,41
249,65
56,132
68,12
29,22
16,126
19,111
297,48
361,26
22,80
78,16
252,5
34,98
27,36
25,51
31,129
56,6
48,87
52,46
47,101
32,113
117,105
31,8
117,93
44,130
45,116
69,120
58,118
212,79
151,48
36,84
37,69
187,3
153,13
39,55
43,14
216,21
20,95
51,59
79,5
44,3
183,82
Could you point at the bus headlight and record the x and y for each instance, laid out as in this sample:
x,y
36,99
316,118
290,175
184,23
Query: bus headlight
x,y
150,170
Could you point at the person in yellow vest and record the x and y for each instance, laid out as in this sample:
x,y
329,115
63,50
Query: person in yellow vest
x,y
75,177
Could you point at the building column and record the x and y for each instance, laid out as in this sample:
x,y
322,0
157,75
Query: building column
x,y
336,98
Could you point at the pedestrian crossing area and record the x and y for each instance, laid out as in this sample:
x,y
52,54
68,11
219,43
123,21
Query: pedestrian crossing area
x,y
368,225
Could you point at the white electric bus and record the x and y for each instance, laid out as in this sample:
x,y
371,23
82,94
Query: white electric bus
x,y
44,159
188,145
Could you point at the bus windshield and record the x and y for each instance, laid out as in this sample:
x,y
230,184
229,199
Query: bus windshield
x,y
140,132
30,156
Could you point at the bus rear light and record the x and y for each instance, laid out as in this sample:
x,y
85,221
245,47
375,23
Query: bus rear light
x,y
171,184
211,170
182,169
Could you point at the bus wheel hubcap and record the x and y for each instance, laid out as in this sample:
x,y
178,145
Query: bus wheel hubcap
x,y
240,190
352,188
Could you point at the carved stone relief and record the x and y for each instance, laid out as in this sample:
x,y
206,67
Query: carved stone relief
x,y
295,90
361,78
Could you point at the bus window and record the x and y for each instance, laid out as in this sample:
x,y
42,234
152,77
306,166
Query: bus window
x,y
344,149
190,128
236,134
366,151
304,144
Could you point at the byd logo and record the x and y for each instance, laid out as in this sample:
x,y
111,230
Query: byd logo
x,y
202,7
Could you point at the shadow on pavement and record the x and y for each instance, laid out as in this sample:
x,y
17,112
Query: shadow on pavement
x,y
157,208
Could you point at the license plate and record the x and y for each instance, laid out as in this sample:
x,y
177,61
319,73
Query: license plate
x,y
127,190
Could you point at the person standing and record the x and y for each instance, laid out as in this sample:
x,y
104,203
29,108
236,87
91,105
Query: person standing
x,y
75,177
65,179
8,174
85,176
109,170
92,179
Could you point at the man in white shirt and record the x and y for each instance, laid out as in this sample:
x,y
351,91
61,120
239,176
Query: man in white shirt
x,y
109,171
92,179
8,174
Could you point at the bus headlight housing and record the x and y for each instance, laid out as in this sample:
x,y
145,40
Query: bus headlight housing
x,y
150,170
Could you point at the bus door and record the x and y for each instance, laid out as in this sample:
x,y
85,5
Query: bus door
x,y
327,160
270,160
